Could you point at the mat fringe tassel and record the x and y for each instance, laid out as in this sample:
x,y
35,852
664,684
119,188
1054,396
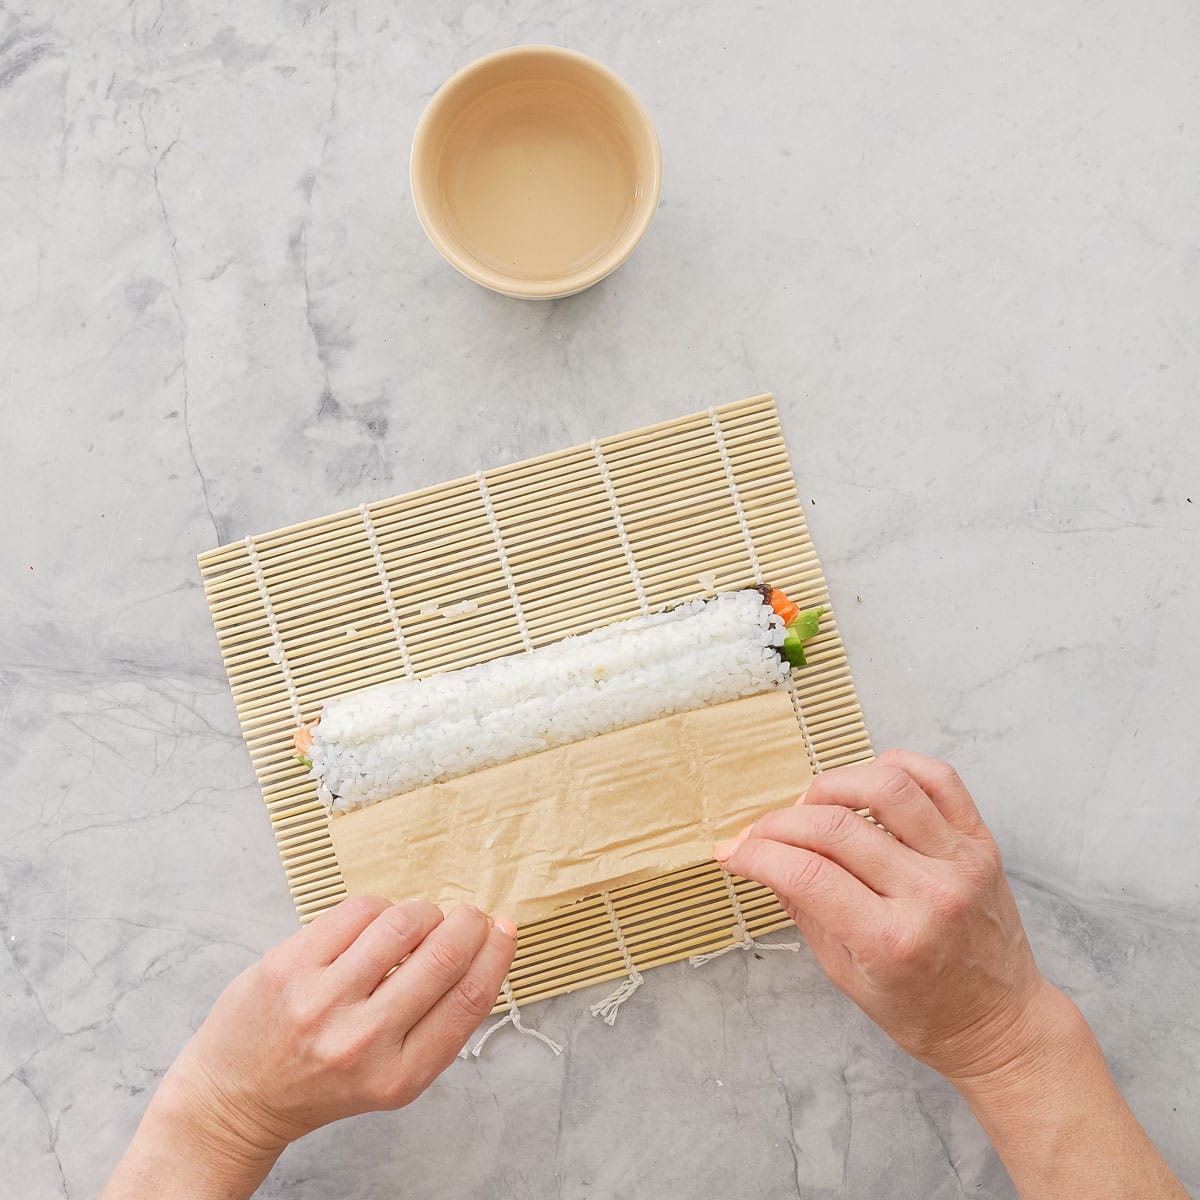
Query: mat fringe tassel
x,y
606,1009
745,942
513,1018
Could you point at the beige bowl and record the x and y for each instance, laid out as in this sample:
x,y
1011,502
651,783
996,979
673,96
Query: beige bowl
x,y
535,171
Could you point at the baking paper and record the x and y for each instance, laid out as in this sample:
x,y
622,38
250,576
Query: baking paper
x,y
533,836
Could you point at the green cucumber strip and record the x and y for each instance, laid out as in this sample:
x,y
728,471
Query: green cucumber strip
x,y
805,626
793,651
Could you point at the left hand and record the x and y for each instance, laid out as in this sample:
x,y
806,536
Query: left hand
x,y
359,1011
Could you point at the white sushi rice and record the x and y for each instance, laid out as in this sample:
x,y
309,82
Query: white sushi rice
x,y
387,740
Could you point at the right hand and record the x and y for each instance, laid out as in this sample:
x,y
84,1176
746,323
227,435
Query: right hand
x,y
919,929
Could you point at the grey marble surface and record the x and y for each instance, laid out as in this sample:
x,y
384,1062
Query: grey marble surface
x,y
960,242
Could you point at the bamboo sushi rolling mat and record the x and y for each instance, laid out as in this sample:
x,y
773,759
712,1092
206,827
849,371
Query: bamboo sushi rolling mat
x,y
550,547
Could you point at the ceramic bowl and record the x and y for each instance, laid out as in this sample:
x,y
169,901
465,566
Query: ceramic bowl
x,y
535,171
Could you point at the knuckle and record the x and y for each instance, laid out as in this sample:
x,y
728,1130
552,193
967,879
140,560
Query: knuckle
x,y
306,1015
402,925
277,967
360,906
817,789
388,1094
471,997
944,773
889,938
328,1054
945,779
840,824
346,1049
976,874
894,784
948,904
270,966
331,1054
422,912
377,1093
981,865
899,943
950,894
446,958
805,875
992,855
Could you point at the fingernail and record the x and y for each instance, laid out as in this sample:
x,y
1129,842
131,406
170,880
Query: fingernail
x,y
507,926
724,850
803,795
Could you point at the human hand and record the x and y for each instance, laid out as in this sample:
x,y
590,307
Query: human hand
x,y
359,1011
919,929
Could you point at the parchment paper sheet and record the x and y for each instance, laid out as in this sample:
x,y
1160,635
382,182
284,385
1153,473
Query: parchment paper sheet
x,y
530,837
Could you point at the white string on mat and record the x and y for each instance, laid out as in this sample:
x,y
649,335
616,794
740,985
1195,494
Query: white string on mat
x,y
619,522
758,578
727,463
385,584
502,554
798,708
513,1018
277,654
745,941
606,1009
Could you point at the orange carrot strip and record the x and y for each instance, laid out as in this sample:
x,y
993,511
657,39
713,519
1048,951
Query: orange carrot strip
x,y
786,610
302,739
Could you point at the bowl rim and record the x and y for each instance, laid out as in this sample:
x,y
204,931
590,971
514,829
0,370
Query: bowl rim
x,y
558,286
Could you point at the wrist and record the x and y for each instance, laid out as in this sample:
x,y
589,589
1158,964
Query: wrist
x,y
197,1118
1051,1101
1030,1054
188,1145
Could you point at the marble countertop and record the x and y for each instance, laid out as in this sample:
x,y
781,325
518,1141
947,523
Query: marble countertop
x,y
960,244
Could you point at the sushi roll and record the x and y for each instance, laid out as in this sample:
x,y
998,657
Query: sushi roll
x,y
390,739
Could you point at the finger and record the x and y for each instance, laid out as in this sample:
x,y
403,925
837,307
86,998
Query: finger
x,y
443,1031
386,942
435,966
896,801
851,841
320,942
841,904
941,784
